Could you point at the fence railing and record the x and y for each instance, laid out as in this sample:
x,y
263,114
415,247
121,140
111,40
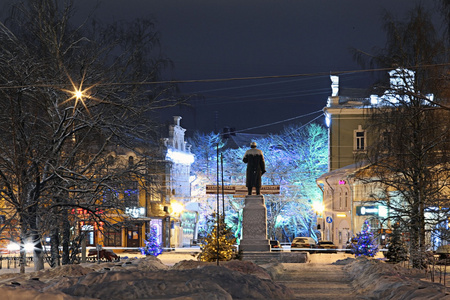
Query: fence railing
x,y
12,262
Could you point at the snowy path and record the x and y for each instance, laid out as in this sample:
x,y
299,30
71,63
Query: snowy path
x,y
317,281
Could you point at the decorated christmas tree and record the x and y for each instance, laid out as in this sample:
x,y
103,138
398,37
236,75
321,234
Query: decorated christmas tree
x,y
365,242
152,244
397,250
225,244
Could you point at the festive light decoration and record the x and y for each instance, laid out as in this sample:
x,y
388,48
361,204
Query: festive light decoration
x,y
152,244
227,241
365,242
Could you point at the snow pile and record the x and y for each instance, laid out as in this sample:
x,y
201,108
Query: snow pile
x,y
345,261
145,278
379,280
235,265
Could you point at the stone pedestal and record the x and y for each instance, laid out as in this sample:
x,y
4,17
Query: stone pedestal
x,y
254,225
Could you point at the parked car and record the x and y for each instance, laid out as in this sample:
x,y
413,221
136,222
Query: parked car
x,y
328,246
303,242
274,244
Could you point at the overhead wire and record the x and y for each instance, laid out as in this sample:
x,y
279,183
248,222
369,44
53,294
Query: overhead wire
x,y
231,99
285,120
223,79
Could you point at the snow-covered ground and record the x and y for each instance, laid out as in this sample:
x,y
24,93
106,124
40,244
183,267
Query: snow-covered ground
x,y
179,275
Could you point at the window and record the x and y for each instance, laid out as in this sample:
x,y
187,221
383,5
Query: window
x,y
113,237
346,200
359,139
387,139
131,194
130,161
110,195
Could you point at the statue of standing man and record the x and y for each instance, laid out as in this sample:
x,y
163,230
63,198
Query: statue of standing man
x,y
256,167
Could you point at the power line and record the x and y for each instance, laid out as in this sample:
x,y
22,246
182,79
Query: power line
x,y
223,100
60,85
286,120
255,85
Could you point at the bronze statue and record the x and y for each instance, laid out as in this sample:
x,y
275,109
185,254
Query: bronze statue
x,y
256,167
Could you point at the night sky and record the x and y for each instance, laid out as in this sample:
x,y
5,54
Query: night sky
x,y
218,39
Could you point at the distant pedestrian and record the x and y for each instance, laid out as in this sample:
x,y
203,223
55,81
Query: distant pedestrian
x,y
256,167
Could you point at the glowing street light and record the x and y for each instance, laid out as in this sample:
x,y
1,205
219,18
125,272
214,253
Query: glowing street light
x,y
177,208
78,93
318,208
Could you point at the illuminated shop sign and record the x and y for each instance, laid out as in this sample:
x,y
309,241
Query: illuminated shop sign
x,y
87,227
135,212
375,210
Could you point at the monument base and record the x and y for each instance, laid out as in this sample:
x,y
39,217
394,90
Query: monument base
x,y
254,245
254,225
277,256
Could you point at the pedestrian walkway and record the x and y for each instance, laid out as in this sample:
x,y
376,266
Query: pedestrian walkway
x,y
317,281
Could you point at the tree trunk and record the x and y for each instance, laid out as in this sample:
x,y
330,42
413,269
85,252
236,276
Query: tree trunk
x,y
23,257
38,254
54,248
65,239
23,238
415,251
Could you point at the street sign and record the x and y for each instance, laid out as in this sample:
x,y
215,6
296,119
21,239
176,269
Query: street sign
x,y
240,189
329,219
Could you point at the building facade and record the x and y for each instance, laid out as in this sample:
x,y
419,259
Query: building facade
x,y
346,200
157,199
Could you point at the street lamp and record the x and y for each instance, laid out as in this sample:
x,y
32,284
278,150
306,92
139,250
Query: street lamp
x,y
177,208
318,208
78,93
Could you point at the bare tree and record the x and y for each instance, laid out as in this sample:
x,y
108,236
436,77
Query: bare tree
x,y
409,156
414,44
70,95
410,165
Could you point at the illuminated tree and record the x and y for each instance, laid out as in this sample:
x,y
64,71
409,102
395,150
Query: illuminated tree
x,y
204,147
222,248
305,151
294,159
365,243
152,244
